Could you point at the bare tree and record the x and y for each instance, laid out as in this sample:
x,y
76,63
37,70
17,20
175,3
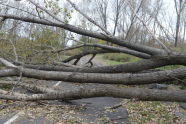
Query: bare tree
x,y
179,6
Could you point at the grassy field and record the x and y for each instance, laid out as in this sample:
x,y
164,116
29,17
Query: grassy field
x,y
115,59
118,58
146,112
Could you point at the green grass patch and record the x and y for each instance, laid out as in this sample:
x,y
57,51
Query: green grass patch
x,y
118,58
170,67
112,62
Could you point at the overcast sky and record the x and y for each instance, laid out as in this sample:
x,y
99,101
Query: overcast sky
x,y
168,6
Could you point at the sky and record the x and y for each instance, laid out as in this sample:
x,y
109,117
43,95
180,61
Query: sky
x,y
168,5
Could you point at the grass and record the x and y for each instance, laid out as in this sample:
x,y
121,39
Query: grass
x,y
146,112
169,67
150,112
6,87
118,58
139,111
112,62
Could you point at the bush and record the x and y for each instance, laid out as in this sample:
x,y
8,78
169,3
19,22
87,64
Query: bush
x,y
72,52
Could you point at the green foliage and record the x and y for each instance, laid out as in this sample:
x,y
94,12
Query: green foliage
x,y
72,52
112,62
47,37
67,15
84,39
53,5
28,51
6,87
1,33
119,58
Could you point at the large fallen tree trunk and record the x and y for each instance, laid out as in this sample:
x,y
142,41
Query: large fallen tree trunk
x,y
141,65
125,78
108,48
121,78
125,74
92,90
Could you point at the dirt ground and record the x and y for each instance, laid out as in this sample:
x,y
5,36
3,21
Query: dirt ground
x,y
102,110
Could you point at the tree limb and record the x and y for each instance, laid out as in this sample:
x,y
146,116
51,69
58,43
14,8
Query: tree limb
x,y
122,68
88,18
103,78
84,53
112,39
159,42
89,91
110,48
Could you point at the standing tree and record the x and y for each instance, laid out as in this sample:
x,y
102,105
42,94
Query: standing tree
x,y
179,6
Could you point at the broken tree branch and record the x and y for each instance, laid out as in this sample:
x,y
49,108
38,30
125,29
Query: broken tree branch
x,y
88,91
112,39
138,66
110,48
121,78
88,18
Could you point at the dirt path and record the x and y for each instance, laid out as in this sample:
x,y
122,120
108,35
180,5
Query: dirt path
x,y
97,109
91,110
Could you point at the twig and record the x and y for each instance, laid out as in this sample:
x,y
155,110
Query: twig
x,y
159,42
45,10
88,18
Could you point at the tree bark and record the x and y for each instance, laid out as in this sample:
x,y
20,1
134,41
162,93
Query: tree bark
x,y
122,68
88,91
125,79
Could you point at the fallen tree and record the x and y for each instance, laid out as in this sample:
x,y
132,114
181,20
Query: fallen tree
x,y
136,73
121,78
92,90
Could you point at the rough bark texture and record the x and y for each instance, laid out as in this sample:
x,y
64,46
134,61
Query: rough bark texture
x,y
126,74
126,68
126,78
89,91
